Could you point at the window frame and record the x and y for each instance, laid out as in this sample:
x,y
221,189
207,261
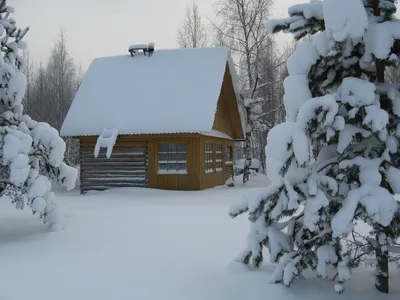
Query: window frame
x,y
209,153
219,157
168,153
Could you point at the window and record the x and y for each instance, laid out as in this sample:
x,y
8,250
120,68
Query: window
x,y
228,155
172,158
218,157
209,158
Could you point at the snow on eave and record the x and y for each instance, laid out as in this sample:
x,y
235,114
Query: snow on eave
x,y
217,134
212,133
134,134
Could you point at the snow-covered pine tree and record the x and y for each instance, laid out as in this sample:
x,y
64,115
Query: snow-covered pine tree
x,y
335,161
31,153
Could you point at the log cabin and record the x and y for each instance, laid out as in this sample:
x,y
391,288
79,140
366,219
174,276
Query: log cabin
x,y
166,120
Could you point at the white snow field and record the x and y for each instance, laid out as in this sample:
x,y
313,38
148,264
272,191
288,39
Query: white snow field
x,y
147,244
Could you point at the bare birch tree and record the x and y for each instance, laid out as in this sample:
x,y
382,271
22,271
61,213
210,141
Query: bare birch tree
x,y
193,33
240,26
241,22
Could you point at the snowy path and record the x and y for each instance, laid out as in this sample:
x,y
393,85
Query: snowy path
x,y
141,244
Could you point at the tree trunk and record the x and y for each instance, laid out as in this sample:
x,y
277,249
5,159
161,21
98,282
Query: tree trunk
x,y
247,147
263,158
382,262
382,257
382,271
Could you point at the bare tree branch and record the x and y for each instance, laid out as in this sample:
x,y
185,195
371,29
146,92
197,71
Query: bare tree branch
x,y
193,33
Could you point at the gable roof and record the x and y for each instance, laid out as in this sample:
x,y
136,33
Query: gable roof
x,y
172,91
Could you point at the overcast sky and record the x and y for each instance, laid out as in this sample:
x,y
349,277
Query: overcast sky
x,y
95,28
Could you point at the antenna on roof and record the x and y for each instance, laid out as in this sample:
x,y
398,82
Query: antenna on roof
x,y
147,49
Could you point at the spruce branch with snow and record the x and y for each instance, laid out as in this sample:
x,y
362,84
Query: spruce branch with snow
x,y
31,152
335,162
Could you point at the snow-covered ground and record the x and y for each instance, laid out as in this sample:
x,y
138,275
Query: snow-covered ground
x,y
147,244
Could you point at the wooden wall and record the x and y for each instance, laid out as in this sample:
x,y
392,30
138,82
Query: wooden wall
x,y
227,118
127,162
189,181
222,121
126,168
195,179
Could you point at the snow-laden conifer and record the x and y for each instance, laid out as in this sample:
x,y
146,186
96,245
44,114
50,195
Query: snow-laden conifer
x,y
31,153
335,162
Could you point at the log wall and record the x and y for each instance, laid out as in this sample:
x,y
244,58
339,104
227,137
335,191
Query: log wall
x,y
127,167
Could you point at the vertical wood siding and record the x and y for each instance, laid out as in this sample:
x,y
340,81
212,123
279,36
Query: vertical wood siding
x,y
188,181
210,180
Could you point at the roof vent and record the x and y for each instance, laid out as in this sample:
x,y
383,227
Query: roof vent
x,y
147,49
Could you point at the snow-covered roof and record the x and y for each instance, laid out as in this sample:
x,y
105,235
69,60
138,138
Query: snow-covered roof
x,y
172,91
255,163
